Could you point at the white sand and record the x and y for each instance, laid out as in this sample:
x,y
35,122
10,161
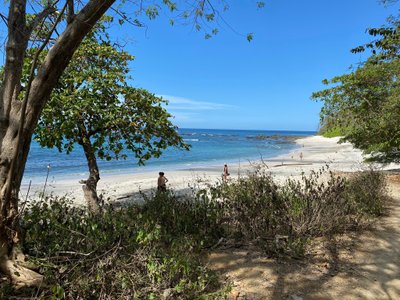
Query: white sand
x,y
314,152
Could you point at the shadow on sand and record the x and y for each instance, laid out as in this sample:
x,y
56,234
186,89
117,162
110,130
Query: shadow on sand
x,y
350,266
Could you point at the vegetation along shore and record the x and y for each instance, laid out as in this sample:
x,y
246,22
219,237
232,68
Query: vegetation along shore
x,y
234,214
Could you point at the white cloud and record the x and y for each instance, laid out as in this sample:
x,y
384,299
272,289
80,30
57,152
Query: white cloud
x,y
185,104
191,113
187,118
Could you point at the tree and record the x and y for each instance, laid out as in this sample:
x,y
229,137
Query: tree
x,y
94,107
18,118
387,45
364,106
71,21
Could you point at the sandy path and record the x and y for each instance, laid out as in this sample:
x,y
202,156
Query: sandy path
x,y
352,266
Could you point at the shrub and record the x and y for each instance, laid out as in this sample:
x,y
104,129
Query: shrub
x,y
282,218
253,207
368,192
140,252
317,207
154,250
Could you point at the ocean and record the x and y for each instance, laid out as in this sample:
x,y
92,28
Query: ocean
x,y
210,147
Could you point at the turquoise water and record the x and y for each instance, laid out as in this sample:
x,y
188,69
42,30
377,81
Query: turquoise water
x,y
209,147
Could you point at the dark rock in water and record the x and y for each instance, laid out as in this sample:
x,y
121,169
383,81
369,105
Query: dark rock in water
x,y
281,139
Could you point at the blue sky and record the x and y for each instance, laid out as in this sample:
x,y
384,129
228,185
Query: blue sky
x,y
226,82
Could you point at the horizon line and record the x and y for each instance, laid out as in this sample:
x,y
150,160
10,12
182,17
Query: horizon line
x,y
297,130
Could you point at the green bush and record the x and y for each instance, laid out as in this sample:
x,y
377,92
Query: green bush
x,y
317,207
253,207
332,132
282,218
154,250
138,251
368,191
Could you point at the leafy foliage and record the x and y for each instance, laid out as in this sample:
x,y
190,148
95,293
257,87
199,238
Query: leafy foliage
x,y
93,102
329,130
364,106
368,191
257,209
387,46
205,16
137,252
155,249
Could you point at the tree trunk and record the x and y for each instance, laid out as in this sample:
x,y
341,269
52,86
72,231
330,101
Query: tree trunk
x,y
10,117
10,255
90,185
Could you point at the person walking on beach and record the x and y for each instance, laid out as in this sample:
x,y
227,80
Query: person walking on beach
x,y
225,174
161,182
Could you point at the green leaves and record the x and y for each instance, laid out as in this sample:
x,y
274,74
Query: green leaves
x,y
94,104
151,12
387,46
215,31
260,4
210,17
364,105
122,253
171,5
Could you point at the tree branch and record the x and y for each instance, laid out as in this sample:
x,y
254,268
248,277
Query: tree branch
x,y
40,17
70,11
4,18
59,56
135,22
15,49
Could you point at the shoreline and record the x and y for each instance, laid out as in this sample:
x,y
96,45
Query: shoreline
x,y
312,153
209,147
189,166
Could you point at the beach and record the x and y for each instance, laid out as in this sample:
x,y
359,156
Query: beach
x,y
312,153
362,264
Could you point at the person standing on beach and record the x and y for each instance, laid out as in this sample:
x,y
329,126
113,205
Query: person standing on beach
x,y
161,182
225,174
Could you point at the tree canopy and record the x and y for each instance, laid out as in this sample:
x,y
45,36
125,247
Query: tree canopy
x,y
93,96
364,105
94,106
